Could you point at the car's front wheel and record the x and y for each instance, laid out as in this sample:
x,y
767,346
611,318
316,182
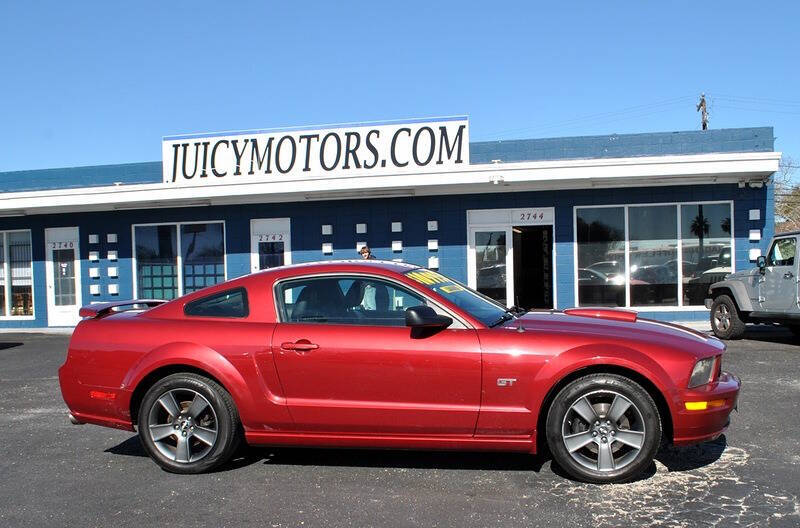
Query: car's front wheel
x,y
603,428
188,423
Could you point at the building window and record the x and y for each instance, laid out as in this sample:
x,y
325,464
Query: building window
x,y
630,255
163,272
16,285
706,245
601,256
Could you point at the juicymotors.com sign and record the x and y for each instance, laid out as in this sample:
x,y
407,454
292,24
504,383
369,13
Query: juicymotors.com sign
x,y
252,157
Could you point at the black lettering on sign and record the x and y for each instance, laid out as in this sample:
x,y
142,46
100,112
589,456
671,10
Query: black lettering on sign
x,y
351,150
393,154
415,148
278,151
444,143
308,138
214,156
322,151
258,157
238,155
372,148
194,170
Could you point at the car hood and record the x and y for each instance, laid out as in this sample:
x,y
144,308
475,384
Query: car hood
x,y
744,274
639,330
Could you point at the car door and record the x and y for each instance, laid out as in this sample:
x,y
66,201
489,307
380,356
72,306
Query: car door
x,y
348,363
779,284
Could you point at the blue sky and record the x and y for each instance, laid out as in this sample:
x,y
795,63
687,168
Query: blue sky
x,y
87,83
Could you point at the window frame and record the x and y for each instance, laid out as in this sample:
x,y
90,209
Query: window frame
x,y
6,270
458,322
775,243
677,204
179,253
228,291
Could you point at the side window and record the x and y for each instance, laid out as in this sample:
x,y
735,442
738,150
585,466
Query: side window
x,y
230,303
782,252
345,300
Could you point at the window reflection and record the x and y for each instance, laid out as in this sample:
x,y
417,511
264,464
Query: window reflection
x,y
653,232
601,256
490,261
706,246
203,253
19,257
156,261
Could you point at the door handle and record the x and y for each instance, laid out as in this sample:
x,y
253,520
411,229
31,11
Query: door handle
x,y
788,275
299,346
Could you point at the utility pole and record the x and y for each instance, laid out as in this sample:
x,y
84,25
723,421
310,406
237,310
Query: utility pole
x,y
701,107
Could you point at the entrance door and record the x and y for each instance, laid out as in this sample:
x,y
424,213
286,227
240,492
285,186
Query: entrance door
x,y
533,266
63,269
270,243
510,255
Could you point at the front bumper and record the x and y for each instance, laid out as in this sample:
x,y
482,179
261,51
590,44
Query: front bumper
x,y
691,427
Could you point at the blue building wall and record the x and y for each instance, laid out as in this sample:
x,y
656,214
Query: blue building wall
x,y
414,212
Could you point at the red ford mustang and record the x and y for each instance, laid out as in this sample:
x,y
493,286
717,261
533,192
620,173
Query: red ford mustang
x,y
380,354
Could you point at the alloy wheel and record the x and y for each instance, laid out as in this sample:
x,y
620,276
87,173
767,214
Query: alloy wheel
x,y
183,425
722,316
603,431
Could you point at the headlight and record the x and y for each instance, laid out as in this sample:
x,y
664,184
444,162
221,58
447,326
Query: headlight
x,y
702,373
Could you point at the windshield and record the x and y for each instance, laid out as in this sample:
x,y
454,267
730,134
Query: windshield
x,y
478,306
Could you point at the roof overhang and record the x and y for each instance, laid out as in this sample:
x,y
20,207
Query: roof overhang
x,y
697,169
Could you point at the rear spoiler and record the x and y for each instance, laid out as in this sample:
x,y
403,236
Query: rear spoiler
x,y
101,309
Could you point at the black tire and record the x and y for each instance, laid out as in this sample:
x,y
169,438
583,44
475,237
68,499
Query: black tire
x,y
726,322
216,414
564,424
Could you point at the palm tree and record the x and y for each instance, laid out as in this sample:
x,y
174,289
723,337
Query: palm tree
x,y
700,228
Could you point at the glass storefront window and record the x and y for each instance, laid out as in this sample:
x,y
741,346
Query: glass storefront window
x,y
657,276
203,253
200,261
706,245
601,256
156,261
16,273
653,235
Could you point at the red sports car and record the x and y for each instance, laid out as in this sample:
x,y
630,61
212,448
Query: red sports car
x,y
381,354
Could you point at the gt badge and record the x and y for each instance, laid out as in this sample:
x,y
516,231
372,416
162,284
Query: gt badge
x,y
505,382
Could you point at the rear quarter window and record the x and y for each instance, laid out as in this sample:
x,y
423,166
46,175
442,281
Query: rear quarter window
x,y
229,303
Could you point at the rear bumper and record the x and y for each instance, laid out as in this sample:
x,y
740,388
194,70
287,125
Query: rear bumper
x,y
691,427
94,404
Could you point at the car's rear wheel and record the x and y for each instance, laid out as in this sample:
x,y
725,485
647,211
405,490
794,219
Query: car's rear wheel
x,y
725,320
188,423
603,428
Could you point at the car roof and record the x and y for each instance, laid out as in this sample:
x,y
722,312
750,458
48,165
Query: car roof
x,y
352,265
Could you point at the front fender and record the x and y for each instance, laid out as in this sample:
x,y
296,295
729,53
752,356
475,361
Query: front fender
x,y
193,355
585,356
739,291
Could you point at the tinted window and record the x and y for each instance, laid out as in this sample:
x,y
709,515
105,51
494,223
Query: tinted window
x,y
345,300
782,252
601,248
231,303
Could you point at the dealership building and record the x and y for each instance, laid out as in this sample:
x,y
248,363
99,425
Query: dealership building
x,y
645,221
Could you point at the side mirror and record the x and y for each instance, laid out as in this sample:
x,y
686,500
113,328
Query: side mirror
x,y
761,262
425,317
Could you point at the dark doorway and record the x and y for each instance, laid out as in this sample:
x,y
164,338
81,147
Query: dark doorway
x,y
533,266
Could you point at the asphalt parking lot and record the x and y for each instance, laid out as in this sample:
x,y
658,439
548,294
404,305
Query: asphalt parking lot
x,y
56,474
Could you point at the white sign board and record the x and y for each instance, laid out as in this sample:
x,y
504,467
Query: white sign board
x,y
269,156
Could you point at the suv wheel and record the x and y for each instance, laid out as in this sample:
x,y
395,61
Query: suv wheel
x,y
725,320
